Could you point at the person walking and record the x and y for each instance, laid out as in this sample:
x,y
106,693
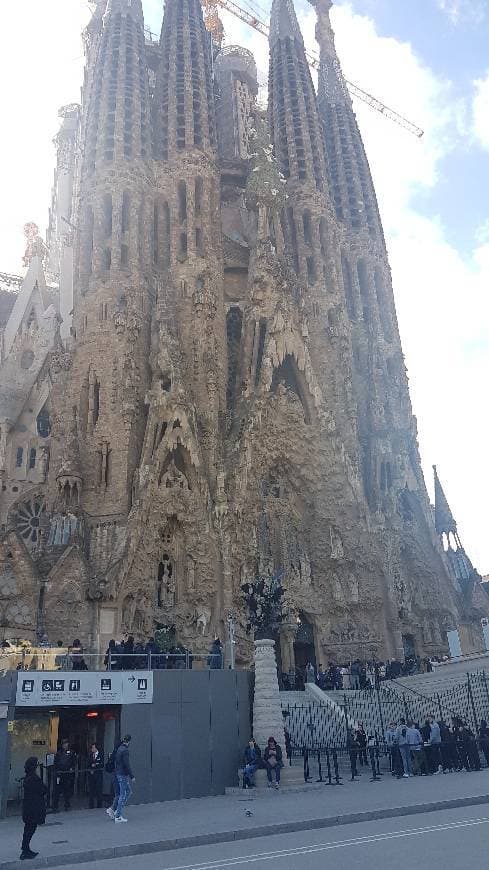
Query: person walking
x,y
64,772
124,777
403,744
33,806
310,673
95,767
272,758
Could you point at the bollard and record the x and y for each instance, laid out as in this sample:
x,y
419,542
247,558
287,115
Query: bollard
x,y
306,765
336,770
329,767
320,769
374,777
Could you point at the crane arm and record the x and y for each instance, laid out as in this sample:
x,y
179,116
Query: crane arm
x,y
313,60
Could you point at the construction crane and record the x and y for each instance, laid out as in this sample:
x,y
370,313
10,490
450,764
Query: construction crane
x,y
214,25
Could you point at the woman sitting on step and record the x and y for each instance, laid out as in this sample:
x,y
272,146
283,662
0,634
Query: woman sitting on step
x,y
273,761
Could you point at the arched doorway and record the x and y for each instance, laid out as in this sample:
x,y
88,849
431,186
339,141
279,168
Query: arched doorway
x,y
409,646
304,648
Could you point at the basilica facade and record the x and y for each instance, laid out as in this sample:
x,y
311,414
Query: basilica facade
x,y
202,379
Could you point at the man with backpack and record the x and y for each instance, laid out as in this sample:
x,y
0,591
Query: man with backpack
x,y
119,764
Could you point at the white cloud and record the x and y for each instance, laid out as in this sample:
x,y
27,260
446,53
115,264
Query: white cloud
x,y
441,293
480,108
459,11
40,70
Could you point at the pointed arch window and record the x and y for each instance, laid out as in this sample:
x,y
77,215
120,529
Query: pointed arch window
x,y
43,423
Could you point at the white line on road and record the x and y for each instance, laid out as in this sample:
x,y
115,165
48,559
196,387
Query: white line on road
x,y
324,847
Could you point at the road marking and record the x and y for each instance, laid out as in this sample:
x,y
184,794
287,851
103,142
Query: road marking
x,y
324,847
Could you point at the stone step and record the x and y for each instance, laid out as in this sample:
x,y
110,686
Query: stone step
x,y
291,780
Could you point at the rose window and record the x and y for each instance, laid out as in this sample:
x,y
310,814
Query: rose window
x,y
29,520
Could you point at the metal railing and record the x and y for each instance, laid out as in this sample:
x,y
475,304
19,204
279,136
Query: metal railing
x,y
66,659
319,725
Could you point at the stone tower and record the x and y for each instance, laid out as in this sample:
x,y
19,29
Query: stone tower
x,y
232,400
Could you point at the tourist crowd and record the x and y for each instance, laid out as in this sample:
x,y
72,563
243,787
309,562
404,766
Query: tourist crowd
x,y
356,674
420,750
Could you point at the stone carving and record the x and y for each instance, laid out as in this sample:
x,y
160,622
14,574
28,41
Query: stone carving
x,y
166,582
35,246
60,362
190,573
337,551
203,620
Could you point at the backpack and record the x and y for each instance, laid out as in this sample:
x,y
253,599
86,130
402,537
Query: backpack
x,y
110,763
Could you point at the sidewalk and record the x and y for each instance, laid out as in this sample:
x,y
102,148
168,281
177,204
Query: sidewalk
x,y
89,835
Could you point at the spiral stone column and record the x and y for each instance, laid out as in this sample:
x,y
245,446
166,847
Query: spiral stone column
x,y
267,711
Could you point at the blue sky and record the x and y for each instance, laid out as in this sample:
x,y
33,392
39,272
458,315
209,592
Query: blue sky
x,y
428,59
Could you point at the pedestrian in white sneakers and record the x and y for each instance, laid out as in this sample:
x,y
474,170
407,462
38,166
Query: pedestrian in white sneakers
x,y
124,777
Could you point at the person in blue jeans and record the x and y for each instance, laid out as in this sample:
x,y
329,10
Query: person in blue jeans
x,y
402,741
272,758
125,777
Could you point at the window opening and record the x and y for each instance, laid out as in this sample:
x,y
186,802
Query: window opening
x,y
182,201
96,402
126,204
107,208
43,423
261,349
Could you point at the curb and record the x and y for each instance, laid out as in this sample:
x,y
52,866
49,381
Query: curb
x,y
243,834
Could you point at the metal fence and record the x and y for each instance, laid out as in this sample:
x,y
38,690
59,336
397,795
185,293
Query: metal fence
x,y
316,726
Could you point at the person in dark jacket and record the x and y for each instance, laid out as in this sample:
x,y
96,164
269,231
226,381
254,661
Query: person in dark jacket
x,y
64,770
361,739
125,777
272,758
95,766
352,747
111,661
251,761
33,806
214,659
78,663
484,740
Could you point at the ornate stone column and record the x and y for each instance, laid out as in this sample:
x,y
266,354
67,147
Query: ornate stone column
x,y
267,711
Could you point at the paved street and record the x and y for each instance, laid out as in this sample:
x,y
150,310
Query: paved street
x,y
449,840
181,826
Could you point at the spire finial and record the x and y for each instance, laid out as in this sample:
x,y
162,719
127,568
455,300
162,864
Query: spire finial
x,y
444,520
283,21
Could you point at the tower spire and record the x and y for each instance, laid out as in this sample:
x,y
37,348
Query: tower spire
x,y
133,8
184,96
283,22
294,119
460,564
444,519
351,181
